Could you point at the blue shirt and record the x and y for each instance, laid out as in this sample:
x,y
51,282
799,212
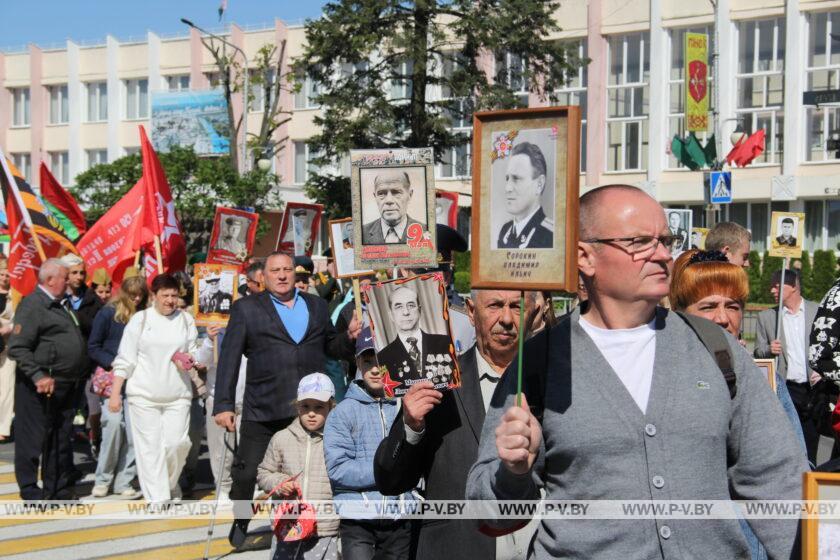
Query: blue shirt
x,y
295,318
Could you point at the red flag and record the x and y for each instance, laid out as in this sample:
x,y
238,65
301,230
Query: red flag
x,y
159,215
56,195
743,153
109,242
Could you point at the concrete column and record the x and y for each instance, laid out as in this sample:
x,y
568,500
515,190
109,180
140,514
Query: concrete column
x,y
114,95
658,115
156,82
5,101
285,162
76,102
37,112
596,117
726,67
794,128
197,78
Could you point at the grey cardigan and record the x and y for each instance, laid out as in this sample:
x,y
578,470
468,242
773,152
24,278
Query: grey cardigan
x,y
694,442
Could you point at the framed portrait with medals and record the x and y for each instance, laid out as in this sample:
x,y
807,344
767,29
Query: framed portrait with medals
x,y
232,238
299,228
215,288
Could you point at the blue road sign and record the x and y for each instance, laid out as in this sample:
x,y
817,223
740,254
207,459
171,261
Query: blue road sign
x,y
720,187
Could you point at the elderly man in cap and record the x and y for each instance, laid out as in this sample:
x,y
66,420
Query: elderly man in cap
x,y
304,267
392,191
212,299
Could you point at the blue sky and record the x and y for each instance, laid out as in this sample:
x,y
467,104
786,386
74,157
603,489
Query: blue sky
x,y
47,22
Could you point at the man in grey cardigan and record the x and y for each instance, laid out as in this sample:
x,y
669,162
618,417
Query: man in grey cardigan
x,y
636,408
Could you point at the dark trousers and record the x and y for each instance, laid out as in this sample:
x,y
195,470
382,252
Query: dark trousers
x,y
380,539
800,393
43,435
253,441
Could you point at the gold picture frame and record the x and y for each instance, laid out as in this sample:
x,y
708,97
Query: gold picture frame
x,y
768,366
815,532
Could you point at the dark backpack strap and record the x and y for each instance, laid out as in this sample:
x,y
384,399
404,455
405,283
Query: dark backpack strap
x,y
541,354
712,337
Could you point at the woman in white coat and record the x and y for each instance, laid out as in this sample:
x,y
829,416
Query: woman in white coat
x,y
152,353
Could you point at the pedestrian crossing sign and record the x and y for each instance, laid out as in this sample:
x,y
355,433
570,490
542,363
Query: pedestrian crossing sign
x,y
720,187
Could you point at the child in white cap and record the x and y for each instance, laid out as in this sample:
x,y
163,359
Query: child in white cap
x,y
294,466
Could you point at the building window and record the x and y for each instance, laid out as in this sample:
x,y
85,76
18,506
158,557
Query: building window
x,y
575,94
628,102
137,99
181,82
833,220
258,90
95,157
214,79
60,166
303,162
813,225
400,81
823,73
131,150
510,70
59,104
760,82
305,96
20,106
97,101
676,89
23,161
458,110
456,162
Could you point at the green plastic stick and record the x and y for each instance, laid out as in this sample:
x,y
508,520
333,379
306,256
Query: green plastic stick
x,y
521,345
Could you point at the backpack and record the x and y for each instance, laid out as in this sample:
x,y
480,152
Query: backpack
x,y
710,334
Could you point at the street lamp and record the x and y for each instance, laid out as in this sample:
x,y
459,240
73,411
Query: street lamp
x,y
243,146
738,135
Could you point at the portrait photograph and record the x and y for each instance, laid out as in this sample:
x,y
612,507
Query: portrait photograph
x,y
679,224
215,290
341,241
786,234
698,238
410,324
446,208
525,198
394,211
232,238
821,535
299,228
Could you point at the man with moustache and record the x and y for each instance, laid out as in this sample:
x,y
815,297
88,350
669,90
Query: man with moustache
x,y
634,407
435,436
286,334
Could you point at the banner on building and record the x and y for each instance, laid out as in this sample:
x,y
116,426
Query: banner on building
x,y
697,82
191,118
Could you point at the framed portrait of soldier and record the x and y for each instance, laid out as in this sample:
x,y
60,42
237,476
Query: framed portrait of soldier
x,y
446,208
410,324
232,238
343,249
525,198
679,224
214,291
393,196
786,233
299,228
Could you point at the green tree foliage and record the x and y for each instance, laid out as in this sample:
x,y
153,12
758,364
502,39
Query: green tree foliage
x,y
754,275
375,60
198,186
825,273
770,265
806,273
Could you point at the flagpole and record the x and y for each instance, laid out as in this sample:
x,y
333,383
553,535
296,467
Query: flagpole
x,y
158,255
780,311
27,218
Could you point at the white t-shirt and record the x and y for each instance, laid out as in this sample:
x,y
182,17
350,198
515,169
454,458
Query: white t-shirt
x,y
630,352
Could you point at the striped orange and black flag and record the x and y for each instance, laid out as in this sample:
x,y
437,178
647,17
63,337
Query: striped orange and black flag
x,y
27,214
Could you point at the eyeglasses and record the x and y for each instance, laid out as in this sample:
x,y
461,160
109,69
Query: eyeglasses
x,y
641,245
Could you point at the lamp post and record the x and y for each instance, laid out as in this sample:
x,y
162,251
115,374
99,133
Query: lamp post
x,y
243,146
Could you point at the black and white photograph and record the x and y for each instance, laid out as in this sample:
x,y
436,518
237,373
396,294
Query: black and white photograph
x,y
341,239
300,227
233,235
400,197
393,197
232,238
411,333
786,234
522,196
214,293
679,224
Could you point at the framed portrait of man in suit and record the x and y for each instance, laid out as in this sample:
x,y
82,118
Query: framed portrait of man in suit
x,y
393,198
232,238
786,234
525,198
214,291
679,223
410,325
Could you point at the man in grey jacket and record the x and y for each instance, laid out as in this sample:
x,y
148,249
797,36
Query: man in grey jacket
x,y
634,407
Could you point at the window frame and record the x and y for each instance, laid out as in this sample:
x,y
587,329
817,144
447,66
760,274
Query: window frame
x,y
23,161
60,166
99,154
178,80
582,92
643,86
140,111
21,107
101,91
62,104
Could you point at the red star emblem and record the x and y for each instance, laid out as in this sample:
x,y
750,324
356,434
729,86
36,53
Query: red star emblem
x,y
390,384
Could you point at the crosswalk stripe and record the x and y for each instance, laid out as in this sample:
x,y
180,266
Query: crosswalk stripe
x,y
8,488
7,468
218,547
6,478
98,535
14,497
31,527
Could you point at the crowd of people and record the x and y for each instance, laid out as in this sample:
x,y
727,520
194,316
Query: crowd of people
x,y
635,394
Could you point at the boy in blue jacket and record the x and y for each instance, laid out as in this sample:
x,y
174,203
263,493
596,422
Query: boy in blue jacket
x,y
371,524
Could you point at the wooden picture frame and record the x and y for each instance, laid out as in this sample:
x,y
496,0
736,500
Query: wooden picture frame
x,y
213,309
540,252
768,366
786,243
818,486
345,265
225,248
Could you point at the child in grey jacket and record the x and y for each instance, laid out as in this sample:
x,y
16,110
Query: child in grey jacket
x,y
371,524
295,459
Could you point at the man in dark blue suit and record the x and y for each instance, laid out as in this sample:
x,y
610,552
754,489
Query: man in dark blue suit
x,y
285,334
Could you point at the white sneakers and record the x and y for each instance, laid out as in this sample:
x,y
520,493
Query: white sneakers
x,y
99,491
131,494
